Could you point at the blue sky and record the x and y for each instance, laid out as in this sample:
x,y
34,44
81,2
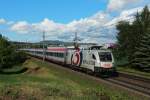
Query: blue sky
x,y
62,11
24,20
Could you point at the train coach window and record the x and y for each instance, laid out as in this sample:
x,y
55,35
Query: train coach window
x,y
59,54
40,52
62,55
55,54
51,54
47,53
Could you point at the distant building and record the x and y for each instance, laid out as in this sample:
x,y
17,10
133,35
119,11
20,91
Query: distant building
x,y
110,45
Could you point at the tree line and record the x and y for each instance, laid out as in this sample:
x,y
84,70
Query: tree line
x,y
133,40
9,56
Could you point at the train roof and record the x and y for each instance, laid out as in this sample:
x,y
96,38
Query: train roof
x,y
56,49
63,48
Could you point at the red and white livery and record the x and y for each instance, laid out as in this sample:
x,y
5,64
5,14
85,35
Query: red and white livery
x,y
94,58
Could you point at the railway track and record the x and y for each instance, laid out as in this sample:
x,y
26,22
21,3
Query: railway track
x,y
136,83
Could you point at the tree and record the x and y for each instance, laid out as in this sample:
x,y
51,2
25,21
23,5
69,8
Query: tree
x,y
132,37
141,57
3,42
123,38
8,55
5,52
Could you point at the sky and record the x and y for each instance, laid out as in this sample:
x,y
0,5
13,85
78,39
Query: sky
x,y
93,20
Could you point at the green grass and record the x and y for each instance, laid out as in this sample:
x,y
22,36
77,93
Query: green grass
x,y
134,71
17,69
123,66
43,81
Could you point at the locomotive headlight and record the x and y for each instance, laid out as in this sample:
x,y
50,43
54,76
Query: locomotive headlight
x,y
106,65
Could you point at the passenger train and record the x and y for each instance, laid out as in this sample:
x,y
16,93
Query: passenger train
x,y
93,59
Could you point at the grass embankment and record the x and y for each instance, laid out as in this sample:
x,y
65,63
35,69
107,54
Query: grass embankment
x,y
44,81
133,71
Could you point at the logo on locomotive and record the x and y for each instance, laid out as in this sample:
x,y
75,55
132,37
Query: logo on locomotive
x,y
76,58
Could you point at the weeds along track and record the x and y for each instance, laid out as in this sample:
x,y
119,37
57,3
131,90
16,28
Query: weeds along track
x,y
136,83
140,78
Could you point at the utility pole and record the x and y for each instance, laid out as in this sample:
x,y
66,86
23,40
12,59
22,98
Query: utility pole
x,y
76,39
43,46
26,44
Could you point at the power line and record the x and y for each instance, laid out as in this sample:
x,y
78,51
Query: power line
x,y
43,46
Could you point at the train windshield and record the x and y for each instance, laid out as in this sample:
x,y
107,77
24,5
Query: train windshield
x,y
105,56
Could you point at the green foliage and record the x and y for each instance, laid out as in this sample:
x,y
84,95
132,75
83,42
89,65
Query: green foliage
x,y
123,38
134,40
141,58
133,71
8,55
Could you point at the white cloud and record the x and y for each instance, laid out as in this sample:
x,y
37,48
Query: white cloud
x,y
49,26
84,27
22,27
126,15
2,21
117,5
5,22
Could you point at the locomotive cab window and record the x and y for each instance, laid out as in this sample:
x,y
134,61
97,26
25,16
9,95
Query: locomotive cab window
x,y
93,56
105,56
